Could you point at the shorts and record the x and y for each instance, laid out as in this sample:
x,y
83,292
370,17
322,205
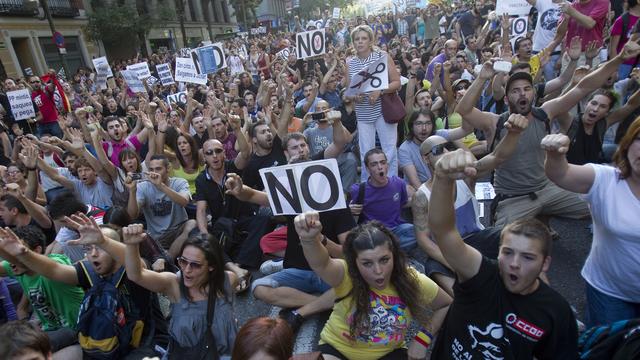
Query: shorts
x,y
303,280
397,354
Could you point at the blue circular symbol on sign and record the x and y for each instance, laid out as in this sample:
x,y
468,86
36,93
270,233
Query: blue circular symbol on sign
x,y
58,39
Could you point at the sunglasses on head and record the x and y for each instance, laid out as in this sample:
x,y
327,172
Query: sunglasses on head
x,y
216,151
183,263
439,149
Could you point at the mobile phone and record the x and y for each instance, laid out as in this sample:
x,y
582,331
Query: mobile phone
x,y
317,116
502,66
137,176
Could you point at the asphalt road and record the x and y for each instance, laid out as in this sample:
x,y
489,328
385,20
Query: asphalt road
x,y
569,253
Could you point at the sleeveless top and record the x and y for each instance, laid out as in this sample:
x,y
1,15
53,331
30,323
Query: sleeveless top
x,y
466,207
365,112
189,321
190,177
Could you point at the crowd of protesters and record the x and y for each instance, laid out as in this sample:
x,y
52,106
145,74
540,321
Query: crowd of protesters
x,y
114,201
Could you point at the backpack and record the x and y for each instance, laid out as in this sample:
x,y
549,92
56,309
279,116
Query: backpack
x,y
537,112
107,325
617,341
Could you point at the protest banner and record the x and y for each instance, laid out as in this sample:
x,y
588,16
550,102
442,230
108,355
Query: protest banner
x,y
164,73
131,78
186,72
307,186
101,64
209,59
373,77
310,43
21,104
284,53
174,100
512,7
140,69
336,13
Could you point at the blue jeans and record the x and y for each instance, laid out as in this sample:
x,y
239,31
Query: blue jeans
x,y
303,280
406,236
603,309
49,128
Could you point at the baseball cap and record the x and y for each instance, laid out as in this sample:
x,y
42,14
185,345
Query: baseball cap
x,y
521,75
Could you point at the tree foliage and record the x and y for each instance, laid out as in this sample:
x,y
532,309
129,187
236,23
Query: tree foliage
x,y
114,22
248,6
308,8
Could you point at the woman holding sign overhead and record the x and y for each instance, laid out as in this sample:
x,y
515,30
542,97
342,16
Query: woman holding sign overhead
x,y
368,105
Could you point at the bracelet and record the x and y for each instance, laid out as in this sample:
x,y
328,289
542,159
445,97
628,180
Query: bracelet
x,y
424,337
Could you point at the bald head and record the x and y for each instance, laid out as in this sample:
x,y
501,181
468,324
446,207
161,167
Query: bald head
x,y
450,48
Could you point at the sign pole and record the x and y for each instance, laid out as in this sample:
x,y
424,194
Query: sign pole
x,y
47,14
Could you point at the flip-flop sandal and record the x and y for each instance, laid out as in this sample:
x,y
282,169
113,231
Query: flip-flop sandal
x,y
244,283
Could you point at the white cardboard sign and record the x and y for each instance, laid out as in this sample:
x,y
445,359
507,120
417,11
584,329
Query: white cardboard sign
x,y
307,186
310,43
186,72
164,73
373,77
177,99
512,7
284,53
336,13
102,64
140,69
131,78
21,104
209,59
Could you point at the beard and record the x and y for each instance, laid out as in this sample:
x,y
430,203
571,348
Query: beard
x,y
517,107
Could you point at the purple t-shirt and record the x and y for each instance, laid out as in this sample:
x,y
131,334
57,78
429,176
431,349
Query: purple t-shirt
x,y
383,203
113,149
436,60
595,9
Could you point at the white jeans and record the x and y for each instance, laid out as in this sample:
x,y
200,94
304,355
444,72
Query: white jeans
x,y
388,135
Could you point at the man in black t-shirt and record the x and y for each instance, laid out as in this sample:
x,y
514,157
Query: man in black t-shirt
x,y
267,152
296,286
500,310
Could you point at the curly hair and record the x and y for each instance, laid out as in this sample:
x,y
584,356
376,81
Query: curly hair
x,y
367,237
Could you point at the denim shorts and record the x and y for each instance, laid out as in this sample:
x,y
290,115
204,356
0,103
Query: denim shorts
x,y
304,280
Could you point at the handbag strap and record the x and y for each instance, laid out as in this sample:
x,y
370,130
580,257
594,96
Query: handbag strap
x,y
211,340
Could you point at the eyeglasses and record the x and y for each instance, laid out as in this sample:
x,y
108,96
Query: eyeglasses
x,y
439,149
183,263
34,81
216,151
13,172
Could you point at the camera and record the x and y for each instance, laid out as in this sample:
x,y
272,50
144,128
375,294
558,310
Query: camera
x,y
318,115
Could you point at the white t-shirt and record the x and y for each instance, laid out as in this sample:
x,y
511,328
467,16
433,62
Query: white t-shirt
x,y
613,265
547,23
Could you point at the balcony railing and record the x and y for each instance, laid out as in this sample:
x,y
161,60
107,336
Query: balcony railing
x,y
18,8
64,8
57,8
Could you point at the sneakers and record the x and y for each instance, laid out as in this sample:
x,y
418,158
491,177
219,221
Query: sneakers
x,y
270,266
292,318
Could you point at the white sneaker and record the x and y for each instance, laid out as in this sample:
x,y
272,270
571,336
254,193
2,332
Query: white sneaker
x,y
270,266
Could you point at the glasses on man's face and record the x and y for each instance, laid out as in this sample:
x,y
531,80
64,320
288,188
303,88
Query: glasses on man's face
x,y
439,149
183,263
216,151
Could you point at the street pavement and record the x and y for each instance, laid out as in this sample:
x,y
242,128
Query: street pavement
x,y
568,255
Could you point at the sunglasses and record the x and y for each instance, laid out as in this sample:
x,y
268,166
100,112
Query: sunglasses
x,y
216,151
439,149
183,263
35,82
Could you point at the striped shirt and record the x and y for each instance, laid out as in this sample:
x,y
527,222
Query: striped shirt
x,y
365,112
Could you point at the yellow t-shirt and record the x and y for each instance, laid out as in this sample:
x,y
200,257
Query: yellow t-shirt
x,y
389,317
455,121
191,178
534,63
